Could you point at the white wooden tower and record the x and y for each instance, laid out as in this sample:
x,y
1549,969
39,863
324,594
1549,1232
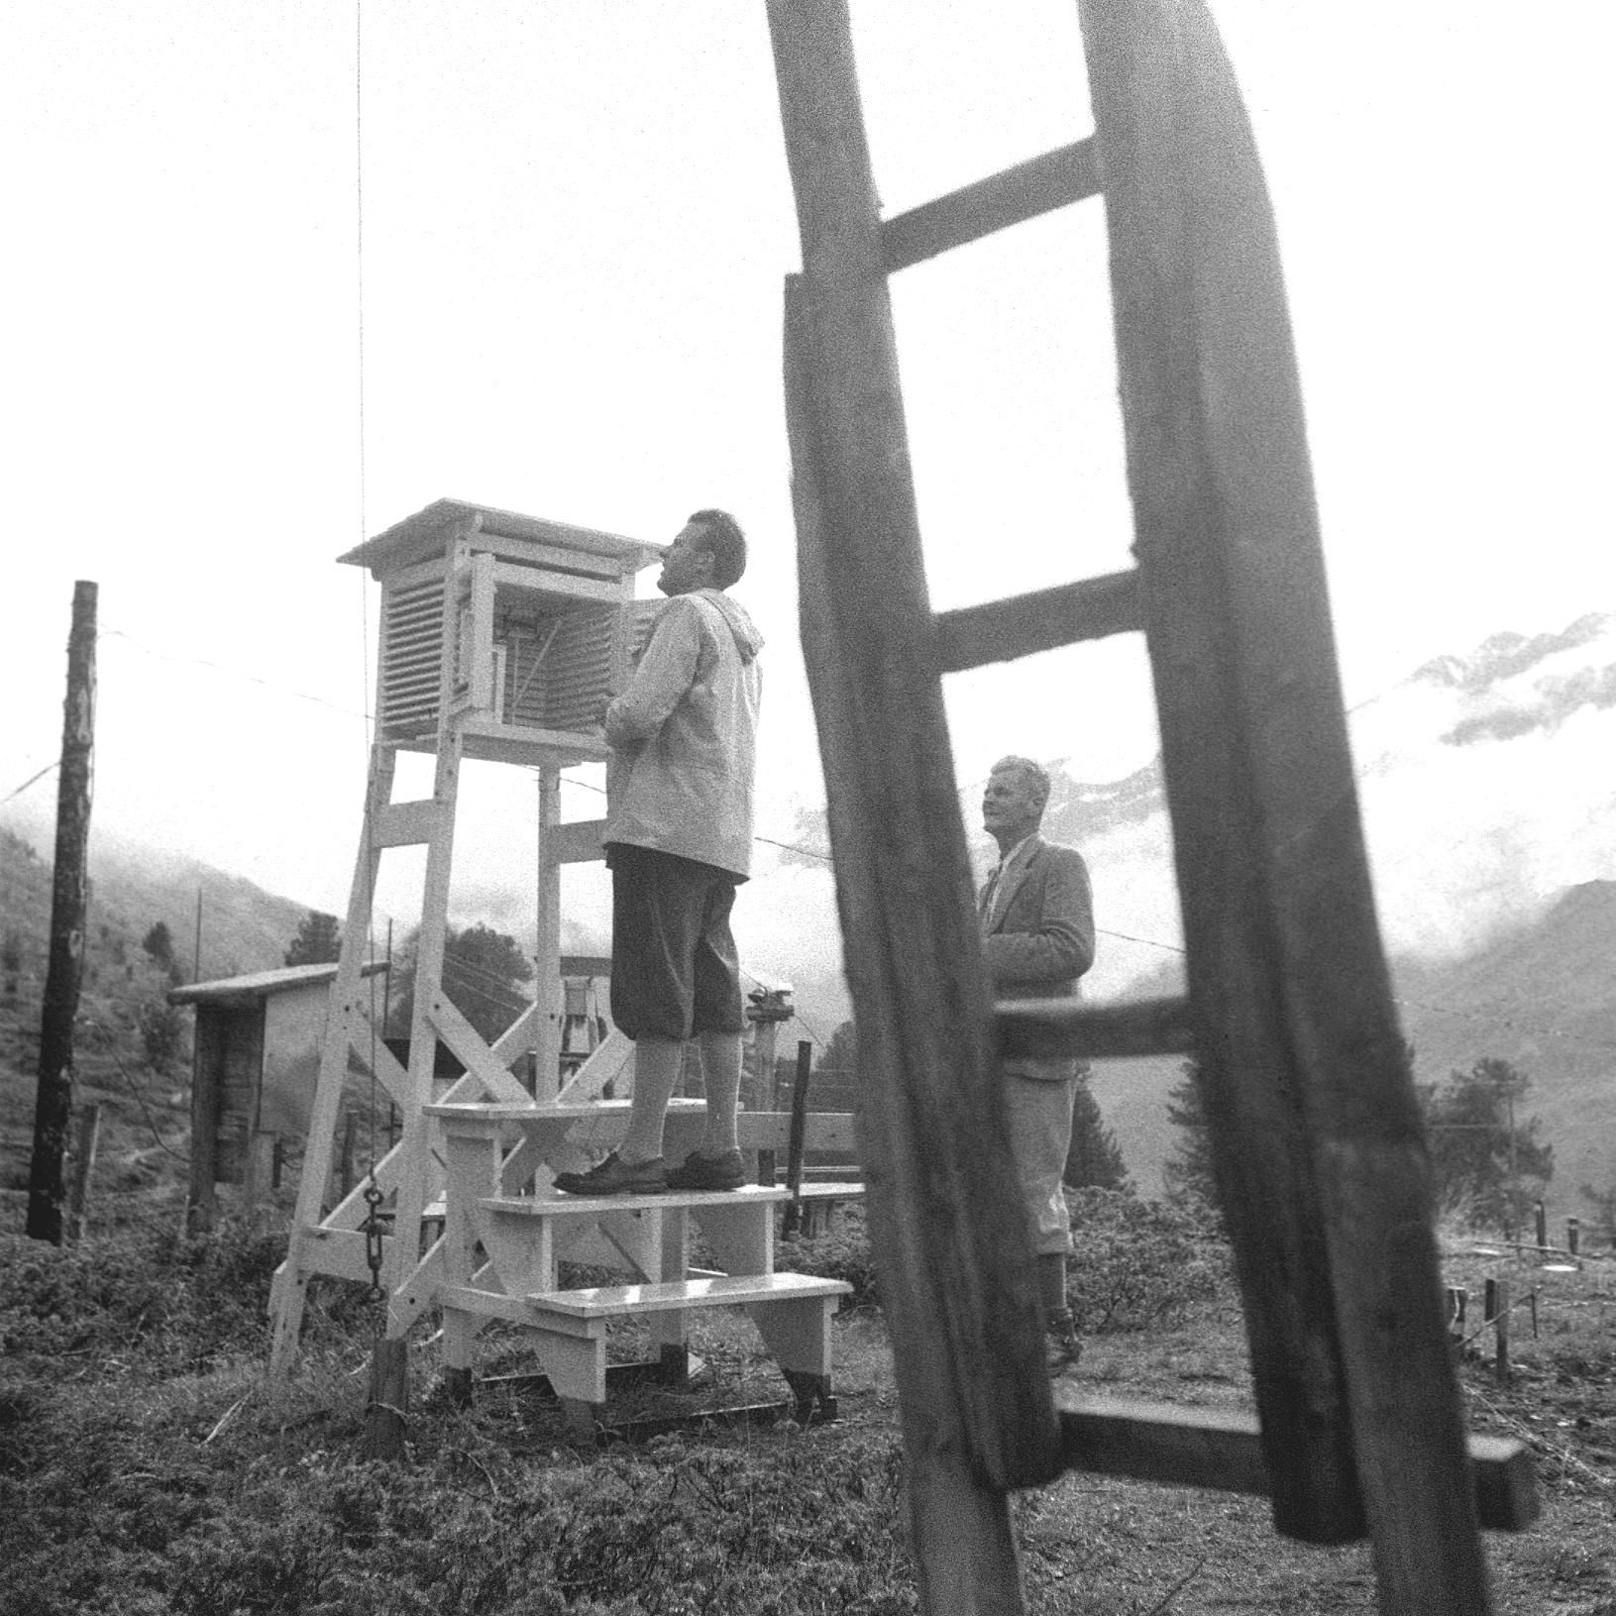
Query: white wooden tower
x,y
502,638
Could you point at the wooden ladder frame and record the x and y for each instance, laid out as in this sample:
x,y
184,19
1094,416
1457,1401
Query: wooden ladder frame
x,y
1316,1137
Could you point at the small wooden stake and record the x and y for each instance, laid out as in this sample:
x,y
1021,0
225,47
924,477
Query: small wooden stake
x,y
387,1413
84,1149
1497,1315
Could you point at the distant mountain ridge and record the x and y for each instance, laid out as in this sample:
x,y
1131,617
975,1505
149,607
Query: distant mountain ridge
x,y
1490,810
243,928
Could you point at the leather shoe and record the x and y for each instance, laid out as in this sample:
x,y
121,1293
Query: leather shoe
x,y
699,1172
614,1176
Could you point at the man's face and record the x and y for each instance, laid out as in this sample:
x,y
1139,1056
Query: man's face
x,y
1010,806
688,563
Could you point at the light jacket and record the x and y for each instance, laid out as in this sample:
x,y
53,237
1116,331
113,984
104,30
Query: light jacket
x,y
684,736
1038,934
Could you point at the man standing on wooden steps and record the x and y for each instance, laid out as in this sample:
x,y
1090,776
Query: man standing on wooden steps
x,y
678,842
1037,918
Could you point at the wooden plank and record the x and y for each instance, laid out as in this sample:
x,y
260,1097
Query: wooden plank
x,y
467,1045
617,1301
287,1295
547,1005
338,1252
592,1206
405,824
822,1130
418,1171
1040,1027
370,1053
1316,1134
578,841
572,584
494,742
1039,185
965,1317
959,1287
1222,1449
1041,620
831,1189
605,1064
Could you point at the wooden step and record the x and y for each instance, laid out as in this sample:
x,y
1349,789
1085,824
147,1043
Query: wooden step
x,y
614,1301
816,1189
564,1206
1181,1446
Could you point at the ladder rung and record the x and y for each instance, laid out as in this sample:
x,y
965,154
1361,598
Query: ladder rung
x,y
1040,185
1221,1448
402,824
1044,1027
1020,625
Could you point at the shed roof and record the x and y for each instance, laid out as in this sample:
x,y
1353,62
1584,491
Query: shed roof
x,y
260,984
430,529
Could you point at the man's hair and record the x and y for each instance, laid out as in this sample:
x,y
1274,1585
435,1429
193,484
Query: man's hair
x,y
1035,772
727,544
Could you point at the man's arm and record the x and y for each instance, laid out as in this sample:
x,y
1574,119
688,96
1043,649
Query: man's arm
x,y
665,672
1061,945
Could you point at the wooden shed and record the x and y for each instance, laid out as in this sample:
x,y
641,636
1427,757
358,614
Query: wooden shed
x,y
257,1055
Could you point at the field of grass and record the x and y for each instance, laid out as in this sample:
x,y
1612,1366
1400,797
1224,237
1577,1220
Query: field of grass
x,y
146,1468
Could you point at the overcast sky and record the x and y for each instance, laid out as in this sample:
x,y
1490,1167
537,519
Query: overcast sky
x,y
280,274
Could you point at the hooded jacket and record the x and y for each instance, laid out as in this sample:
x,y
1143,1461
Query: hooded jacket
x,y
684,736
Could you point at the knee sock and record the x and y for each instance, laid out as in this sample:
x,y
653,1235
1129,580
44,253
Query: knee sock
x,y
721,1080
656,1073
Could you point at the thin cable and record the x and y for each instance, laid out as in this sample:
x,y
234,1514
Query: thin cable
x,y
234,673
32,779
359,322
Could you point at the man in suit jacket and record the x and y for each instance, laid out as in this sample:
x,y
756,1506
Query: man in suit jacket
x,y
1037,918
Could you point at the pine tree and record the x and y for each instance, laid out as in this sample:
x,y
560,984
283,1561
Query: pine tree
x,y
483,970
1187,1173
318,940
159,945
1094,1158
840,1055
1488,1160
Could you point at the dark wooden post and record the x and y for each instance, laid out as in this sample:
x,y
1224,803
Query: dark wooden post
x,y
960,1291
795,1140
47,1191
207,1075
1573,1235
1456,1299
387,1412
1496,1306
1542,1216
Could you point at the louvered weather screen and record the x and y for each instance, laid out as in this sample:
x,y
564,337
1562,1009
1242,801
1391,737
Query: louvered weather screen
x,y
520,628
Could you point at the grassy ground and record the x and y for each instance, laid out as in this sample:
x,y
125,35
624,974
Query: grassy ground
x,y
146,1468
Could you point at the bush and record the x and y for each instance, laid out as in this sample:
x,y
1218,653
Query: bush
x,y
842,1252
162,1034
1136,1264
177,1303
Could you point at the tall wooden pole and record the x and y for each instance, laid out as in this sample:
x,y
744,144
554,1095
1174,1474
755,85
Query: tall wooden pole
x,y
47,1184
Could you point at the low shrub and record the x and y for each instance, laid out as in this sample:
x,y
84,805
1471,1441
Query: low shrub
x,y
842,1252
177,1303
1136,1264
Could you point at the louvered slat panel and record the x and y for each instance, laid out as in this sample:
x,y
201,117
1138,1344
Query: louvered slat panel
x,y
579,671
412,652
